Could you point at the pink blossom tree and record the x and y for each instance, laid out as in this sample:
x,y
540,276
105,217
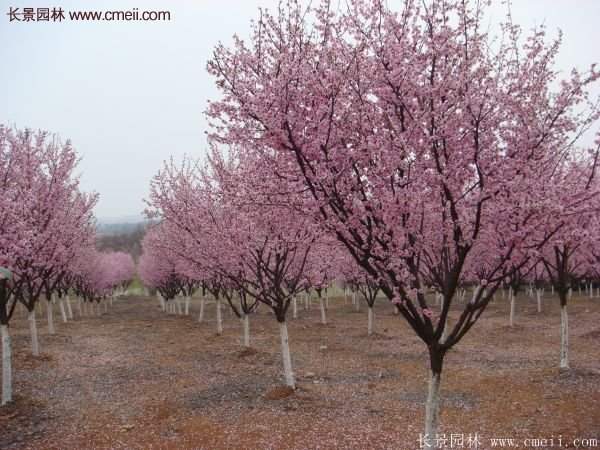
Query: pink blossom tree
x,y
416,138
44,220
254,242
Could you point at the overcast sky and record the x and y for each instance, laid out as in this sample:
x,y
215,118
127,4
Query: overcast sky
x,y
130,94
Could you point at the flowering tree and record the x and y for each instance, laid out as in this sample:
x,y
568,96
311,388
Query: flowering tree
x,y
417,139
576,204
44,220
157,268
246,239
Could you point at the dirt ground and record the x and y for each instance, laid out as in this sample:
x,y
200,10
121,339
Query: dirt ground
x,y
136,378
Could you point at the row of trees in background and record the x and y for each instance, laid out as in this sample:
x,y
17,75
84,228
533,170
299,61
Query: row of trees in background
x,y
408,147
47,237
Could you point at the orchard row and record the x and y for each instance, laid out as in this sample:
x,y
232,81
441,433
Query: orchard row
x,y
405,151
47,238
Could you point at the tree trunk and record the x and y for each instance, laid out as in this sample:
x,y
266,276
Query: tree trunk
x,y
6,366
564,337
357,303
370,332
50,315
512,307
201,315
539,300
69,307
323,312
63,311
105,305
219,318
79,307
285,352
35,346
178,304
432,409
294,308
187,305
246,326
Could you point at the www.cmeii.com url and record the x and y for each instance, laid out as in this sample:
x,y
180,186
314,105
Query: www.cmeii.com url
x,y
58,14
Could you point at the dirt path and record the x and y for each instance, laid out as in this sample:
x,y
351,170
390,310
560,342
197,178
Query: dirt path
x,y
136,378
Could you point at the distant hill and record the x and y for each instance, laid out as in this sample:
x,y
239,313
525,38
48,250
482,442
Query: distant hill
x,y
125,237
111,229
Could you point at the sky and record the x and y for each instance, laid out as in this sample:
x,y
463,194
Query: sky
x,y
129,95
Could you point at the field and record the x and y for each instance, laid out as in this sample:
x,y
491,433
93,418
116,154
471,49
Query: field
x,y
136,378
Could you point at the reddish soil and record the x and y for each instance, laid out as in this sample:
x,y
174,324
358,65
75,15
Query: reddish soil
x,y
136,378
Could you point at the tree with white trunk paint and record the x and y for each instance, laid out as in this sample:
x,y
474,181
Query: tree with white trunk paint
x,y
242,305
422,141
262,250
8,288
44,220
571,233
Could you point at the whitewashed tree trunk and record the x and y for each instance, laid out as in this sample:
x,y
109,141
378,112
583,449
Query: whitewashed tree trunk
x,y
6,366
323,312
219,318
539,300
105,305
432,408
294,308
50,316
512,307
246,326
370,332
285,353
63,311
552,287
201,315
327,298
178,305
357,304
69,307
79,307
35,345
564,338
187,305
